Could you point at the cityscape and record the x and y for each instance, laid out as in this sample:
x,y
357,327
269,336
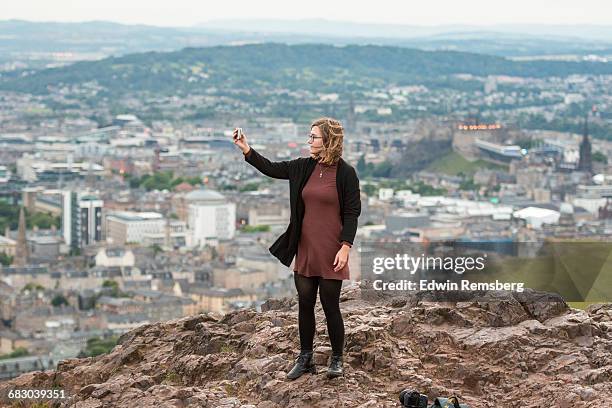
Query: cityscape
x,y
124,201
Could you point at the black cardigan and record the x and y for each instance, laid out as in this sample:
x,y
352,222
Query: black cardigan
x,y
298,171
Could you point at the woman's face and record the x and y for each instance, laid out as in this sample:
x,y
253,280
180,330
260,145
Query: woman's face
x,y
315,141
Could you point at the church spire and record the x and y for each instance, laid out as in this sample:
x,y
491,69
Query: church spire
x,y
584,161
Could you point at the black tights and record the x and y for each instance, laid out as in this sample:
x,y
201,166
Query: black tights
x,y
329,293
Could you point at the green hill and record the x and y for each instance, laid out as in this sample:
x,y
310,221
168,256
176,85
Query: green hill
x,y
272,65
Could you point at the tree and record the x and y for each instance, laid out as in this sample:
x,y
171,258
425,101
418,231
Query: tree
x,y
32,286
600,157
18,352
256,228
249,187
75,252
382,169
97,346
369,189
361,164
114,290
156,249
59,300
42,220
114,287
5,259
469,185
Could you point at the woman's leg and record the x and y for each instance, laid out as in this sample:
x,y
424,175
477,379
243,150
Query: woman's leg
x,y
329,292
307,295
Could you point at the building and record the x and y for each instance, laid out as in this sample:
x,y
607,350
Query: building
x,y
14,367
44,248
174,235
385,194
269,214
211,217
91,219
125,322
11,341
498,153
119,257
399,222
5,174
7,245
132,227
128,122
216,299
32,169
248,279
535,217
21,249
40,199
81,219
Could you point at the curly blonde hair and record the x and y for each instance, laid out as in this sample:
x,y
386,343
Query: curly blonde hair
x,y
333,136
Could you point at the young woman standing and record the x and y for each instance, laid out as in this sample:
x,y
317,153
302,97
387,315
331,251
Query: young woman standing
x,y
325,206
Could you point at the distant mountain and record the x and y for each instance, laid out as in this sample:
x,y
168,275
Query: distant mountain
x,y
107,38
404,31
273,65
35,43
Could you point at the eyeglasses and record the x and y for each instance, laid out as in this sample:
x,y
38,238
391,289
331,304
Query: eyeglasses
x,y
311,137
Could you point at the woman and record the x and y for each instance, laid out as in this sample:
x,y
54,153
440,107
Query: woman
x,y
325,205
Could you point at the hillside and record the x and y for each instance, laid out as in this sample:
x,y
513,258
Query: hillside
x,y
327,67
454,163
527,348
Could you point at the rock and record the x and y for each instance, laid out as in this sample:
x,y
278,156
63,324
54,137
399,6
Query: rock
x,y
490,348
89,403
541,305
190,323
278,304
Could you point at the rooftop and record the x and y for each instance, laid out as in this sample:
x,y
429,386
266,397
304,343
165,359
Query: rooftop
x,y
204,195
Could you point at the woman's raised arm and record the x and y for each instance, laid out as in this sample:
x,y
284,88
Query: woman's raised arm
x,y
278,170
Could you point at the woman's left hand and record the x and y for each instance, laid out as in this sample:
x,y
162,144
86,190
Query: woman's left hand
x,y
341,258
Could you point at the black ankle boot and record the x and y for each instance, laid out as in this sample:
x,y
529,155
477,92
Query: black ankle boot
x,y
303,364
335,367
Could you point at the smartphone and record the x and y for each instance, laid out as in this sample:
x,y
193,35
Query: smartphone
x,y
239,134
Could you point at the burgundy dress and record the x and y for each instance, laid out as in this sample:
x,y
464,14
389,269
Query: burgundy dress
x,y
321,227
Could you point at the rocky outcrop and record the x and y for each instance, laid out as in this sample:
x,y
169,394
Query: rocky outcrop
x,y
496,350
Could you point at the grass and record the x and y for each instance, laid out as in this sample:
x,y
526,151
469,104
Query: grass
x,y
36,404
581,272
172,378
582,305
227,348
453,163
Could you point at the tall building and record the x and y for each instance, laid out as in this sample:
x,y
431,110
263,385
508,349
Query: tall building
x,y
70,219
350,116
81,219
211,217
21,250
90,209
585,161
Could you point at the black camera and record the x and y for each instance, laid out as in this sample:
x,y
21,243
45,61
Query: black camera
x,y
413,399
451,402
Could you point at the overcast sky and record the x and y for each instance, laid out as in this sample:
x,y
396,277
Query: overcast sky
x,y
423,12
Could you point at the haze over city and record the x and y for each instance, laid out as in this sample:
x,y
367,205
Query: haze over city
x,y
435,12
